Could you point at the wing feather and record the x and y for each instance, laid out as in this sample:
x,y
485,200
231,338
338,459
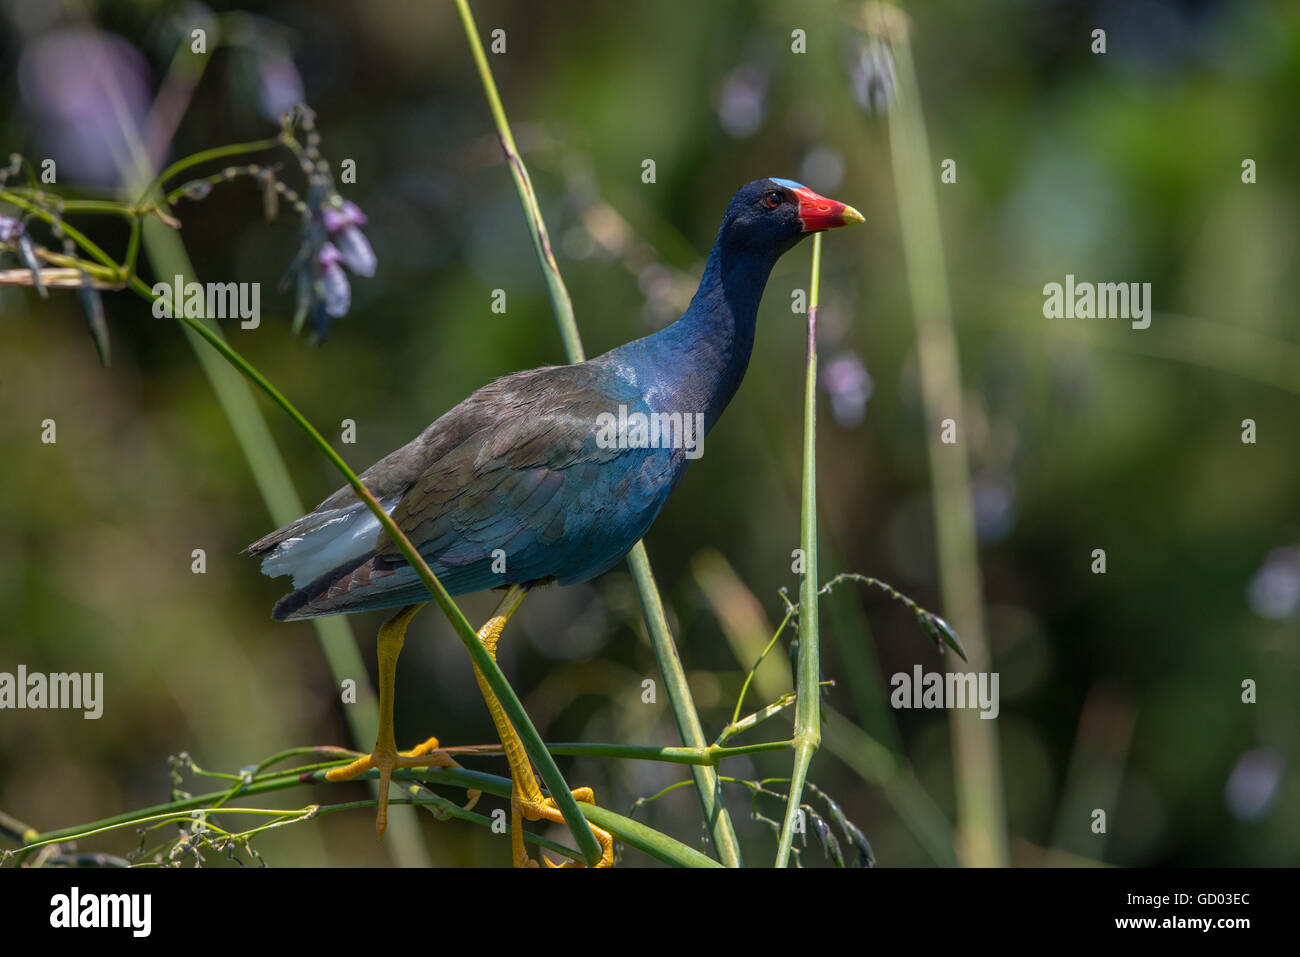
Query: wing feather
x,y
515,467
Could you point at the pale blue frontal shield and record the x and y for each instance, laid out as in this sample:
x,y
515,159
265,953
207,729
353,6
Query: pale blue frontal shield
x,y
787,183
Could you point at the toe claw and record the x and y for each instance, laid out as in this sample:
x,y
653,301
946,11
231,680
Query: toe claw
x,y
548,810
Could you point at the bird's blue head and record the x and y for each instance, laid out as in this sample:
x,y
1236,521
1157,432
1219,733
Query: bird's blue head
x,y
771,215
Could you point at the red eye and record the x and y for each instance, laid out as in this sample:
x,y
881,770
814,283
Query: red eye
x,y
772,200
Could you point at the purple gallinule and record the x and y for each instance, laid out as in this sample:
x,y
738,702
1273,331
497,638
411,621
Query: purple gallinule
x,y
548,475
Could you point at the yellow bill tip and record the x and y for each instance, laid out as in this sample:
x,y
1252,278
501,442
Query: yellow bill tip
x,y
852,217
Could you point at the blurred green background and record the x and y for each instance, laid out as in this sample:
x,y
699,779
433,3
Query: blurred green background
x,y
1120,691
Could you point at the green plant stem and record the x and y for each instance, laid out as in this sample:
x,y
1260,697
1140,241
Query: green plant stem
x,y
107,207
707,785
75,235
758,717
807,718
107,277
560,301
749,676
205,156
23,834
708,756
976,766
132,247
875,762
628,831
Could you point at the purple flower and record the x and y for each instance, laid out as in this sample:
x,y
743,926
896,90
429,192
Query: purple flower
x,y
343,223
1254,783
346,213
331,240
83,87
279,85
846,380
335,293
872,76
993,502
742,101
10,229
1274,592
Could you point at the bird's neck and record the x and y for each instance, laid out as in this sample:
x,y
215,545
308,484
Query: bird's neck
x,y
705,353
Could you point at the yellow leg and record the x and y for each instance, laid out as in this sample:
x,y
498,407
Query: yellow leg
x,y
526,798
385,756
